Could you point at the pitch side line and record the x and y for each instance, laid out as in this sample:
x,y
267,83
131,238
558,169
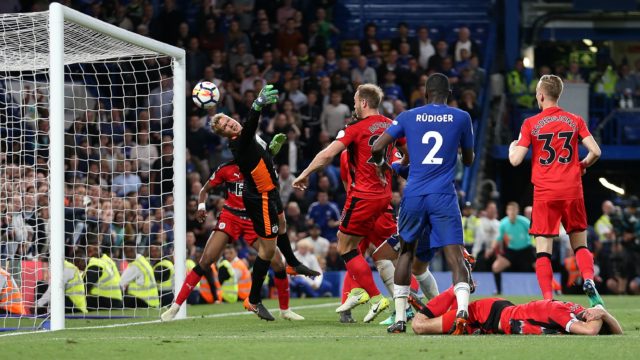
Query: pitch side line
x,y
211,316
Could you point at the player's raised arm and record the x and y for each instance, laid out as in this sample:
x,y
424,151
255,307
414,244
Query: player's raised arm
x,y
268,95
379,147
322,159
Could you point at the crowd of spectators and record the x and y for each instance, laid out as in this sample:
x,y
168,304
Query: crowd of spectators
x,y
118,167
608,81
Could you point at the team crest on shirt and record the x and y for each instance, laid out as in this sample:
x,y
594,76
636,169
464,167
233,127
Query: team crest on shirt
x,y
274,229
222,225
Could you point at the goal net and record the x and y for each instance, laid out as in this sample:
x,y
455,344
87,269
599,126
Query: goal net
x,y
91,208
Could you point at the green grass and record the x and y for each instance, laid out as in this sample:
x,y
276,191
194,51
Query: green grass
x,y
225,332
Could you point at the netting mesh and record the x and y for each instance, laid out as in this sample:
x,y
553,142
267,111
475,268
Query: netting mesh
x,y
118,174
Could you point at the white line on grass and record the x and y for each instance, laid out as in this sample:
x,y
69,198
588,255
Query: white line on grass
x,y
211,316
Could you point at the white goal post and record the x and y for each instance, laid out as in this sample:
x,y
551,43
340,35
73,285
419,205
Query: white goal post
x,y
63,51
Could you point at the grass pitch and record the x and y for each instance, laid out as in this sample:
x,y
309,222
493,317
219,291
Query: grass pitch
x,y
227,332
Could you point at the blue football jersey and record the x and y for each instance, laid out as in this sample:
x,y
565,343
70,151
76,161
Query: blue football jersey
x,y
434,133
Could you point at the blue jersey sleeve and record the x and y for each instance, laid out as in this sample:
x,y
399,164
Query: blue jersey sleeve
x,y
402,171
466,142
396,130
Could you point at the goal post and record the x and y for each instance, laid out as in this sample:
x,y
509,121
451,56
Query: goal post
x,y
51,69
58,14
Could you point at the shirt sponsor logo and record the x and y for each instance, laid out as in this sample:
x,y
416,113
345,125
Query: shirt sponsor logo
x,y
434,118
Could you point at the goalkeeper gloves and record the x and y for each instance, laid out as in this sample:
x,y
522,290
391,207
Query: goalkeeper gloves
x,y
268,95
276,143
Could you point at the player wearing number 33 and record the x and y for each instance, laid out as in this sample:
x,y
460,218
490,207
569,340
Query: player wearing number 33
x,y
429,205
556,175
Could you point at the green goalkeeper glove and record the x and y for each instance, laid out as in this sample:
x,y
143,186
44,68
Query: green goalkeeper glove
x,y
276,143
268,95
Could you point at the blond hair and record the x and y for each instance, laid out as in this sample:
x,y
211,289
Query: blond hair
x,y
372,94
214,122
551,86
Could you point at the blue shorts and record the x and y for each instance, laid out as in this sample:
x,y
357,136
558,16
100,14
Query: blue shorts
x,y
423,252
435,214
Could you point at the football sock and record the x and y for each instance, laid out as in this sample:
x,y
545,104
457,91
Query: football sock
x,y
400,294
497,277
285,248
282,284
414,284
462,291
347,285
260,268
544,273
192,279
584,258
360,272
386,270
441,303
428,284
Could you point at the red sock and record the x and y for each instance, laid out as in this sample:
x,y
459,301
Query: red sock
x,y
347,285
283,292
584,258
414,284
189,283
544,272
360,272
441,303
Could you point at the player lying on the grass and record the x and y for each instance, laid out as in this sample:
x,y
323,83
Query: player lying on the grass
x,y
368,197
262,203
500,316
556,174
384,256
433,133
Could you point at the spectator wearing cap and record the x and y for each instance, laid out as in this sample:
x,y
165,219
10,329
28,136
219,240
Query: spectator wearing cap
x,y
325,214
311,287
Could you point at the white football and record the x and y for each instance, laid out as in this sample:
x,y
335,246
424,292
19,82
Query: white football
x,y
205,94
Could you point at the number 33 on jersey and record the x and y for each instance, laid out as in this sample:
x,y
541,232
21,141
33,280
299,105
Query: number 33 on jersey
x,y
554,135
433,133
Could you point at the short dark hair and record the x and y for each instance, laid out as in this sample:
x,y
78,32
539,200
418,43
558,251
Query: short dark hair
x,y
437,84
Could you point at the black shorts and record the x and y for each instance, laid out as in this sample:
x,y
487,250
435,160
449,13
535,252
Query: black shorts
x,y
521,260
263,210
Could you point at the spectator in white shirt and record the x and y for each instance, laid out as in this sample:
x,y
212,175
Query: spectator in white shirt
x,y
304,286
363,73
320,244
143,152
425,47
486,234
334,115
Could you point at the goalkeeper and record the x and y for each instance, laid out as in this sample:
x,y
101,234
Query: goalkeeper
x,y
261,200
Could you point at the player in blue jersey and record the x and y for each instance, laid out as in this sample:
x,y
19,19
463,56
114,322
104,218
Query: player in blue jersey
x,y
434,133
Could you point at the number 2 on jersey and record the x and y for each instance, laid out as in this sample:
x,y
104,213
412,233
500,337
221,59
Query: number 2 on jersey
x,y
547,138
430,159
